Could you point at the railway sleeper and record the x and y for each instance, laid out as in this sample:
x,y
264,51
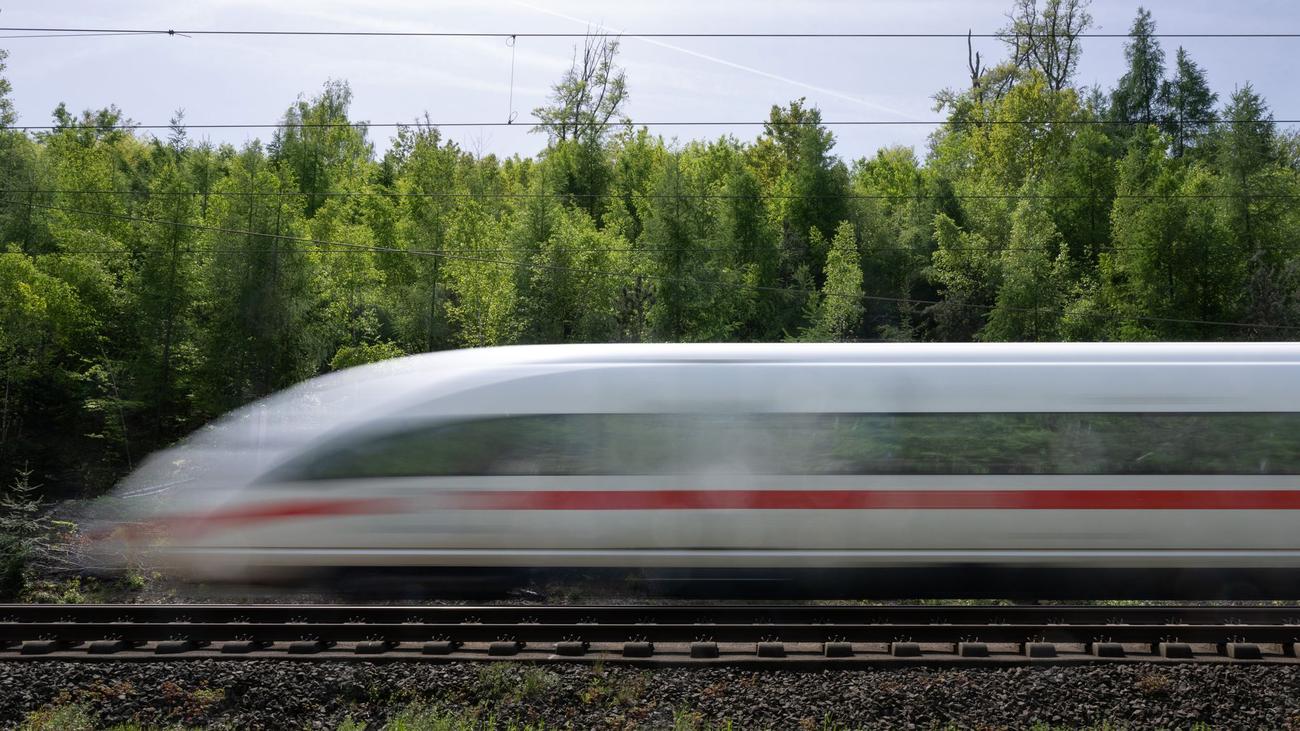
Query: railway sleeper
x,y
704,650
905,649
503,648
243,647
837,649
108,647
439,647
45,647
175,647
1106,649
770,649
309,647
1174,650
1038,650
638,649
571,648
1243,651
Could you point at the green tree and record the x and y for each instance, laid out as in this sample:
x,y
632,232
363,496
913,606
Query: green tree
x,y
807,183
43,325
671,243
322,147
428,189
965,269
162,293
1030,276
1257,206
1137,98
748,247
837,311
894,213
1047,39
20,222
1188,104
585,107
589,97
573,283
256,287
1172,258
482,304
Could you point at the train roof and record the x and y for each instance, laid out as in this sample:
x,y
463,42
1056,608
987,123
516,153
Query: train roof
x,y
390,384
893,377
686,353
862,352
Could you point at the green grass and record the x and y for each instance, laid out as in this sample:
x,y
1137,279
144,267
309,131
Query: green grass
x,y
60,718
426,717
501,681
420,717
77,717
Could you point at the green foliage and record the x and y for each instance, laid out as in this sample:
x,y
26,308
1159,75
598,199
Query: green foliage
x,y
420,717
498,682
255,298
1030,273
588,97
61,718
570,298
1137,98
22,526
1046,39
355,355
322,148
837,311
482,287
195,278
1189,105
7,114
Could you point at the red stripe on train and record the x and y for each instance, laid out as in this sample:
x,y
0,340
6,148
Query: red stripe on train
x,y
742,500
875,500
280,510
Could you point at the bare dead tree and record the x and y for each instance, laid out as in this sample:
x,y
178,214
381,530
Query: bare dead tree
x,y
589,96
1047,38
976,70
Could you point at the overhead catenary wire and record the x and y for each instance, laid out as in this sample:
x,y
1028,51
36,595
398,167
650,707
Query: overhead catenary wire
x,y
535,123
848,35
68,35
637,276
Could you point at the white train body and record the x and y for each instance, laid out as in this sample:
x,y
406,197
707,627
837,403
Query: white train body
x,y
1059,459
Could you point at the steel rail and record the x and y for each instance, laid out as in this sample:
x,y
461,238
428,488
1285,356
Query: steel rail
x,y
859,633
671,614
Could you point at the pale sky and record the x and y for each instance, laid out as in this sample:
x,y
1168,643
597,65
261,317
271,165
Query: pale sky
x,y
233,79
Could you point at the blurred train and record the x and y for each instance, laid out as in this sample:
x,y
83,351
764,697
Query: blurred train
x,y
882,470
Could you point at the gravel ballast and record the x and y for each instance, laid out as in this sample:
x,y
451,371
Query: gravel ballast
x,y
287,694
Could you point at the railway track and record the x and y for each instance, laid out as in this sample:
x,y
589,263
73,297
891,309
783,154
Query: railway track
x,y
748,635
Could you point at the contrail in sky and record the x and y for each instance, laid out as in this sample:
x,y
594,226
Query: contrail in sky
x,y
732,64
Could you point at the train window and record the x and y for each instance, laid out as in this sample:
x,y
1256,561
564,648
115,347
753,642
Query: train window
x,y
839,444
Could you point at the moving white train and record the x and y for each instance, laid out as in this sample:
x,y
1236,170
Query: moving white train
x,y
900,470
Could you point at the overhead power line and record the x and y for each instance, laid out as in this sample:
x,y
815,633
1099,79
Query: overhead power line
x,y
68,35
668,34
631,275
532,123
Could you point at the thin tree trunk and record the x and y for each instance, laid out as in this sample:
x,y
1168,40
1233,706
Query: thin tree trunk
x,y
164,382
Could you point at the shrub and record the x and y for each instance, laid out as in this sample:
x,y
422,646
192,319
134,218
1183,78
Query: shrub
x,y
22,528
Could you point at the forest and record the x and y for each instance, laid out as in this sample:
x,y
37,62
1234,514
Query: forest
x,y
150,282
